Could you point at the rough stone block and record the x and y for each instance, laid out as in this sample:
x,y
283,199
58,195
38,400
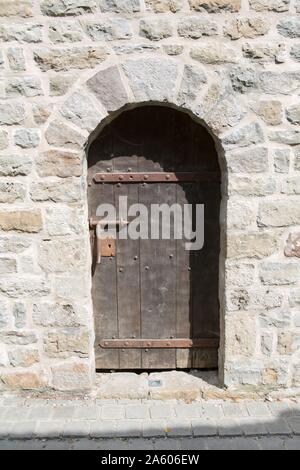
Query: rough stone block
x,y
249,28
65,32
8,266
20,314
292,185
28,86
60,134
251,185
22,8
64,59
71,377
163,6
61,255
292,247
21,32
110,29
270,111
64,221
16,59
215,6
15,165
23,380
60,83
250,161
295,52
278,213
22,357
61,314
28,287
59,163
289,27
293,113
67,343
3,139
195,27
214,54
265,52
18,338
66,190
282,158
80,110
251,245
279,273
21,220
245,136
27,138
156,29
152,79
193,81
68,7
12,113
270,5
41,112
120,6
11,192
108,87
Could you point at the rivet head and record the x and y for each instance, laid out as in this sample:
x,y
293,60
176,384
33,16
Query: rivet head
x,y
136,258
147,268
102,177
168,177
189,268
121,178
129,170
171,256
146,177
121,270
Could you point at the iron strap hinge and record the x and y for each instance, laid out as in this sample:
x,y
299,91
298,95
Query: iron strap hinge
x,y
182,343
159,177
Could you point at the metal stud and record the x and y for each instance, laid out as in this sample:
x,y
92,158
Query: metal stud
x,y
136,258
147,268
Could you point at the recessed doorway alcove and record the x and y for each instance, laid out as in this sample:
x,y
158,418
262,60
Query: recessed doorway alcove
x,y
156,304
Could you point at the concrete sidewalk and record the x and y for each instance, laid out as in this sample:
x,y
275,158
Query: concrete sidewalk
x,y
94,422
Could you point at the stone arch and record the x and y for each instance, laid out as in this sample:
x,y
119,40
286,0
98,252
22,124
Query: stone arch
x,y
205,95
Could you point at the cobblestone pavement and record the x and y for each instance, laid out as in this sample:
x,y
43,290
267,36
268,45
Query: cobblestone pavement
x,y
113,424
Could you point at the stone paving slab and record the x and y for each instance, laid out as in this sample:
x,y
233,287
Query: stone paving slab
x,y
96,419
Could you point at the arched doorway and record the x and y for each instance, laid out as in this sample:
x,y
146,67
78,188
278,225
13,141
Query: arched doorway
x,y
156,304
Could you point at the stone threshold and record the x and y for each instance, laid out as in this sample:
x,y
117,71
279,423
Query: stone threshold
x,y
180,385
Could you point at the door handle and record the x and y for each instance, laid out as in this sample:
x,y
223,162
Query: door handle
x,y
99,231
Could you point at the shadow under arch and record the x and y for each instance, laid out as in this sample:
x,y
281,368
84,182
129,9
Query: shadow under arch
x,y
156,137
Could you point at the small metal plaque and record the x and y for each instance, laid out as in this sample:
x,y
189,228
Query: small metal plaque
x,y
154,383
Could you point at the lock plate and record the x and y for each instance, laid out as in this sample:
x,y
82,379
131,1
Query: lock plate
x,y
108,247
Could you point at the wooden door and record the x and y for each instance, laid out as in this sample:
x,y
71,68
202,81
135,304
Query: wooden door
x,y
155,303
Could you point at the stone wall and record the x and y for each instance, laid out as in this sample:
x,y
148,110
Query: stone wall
x,y
65,65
